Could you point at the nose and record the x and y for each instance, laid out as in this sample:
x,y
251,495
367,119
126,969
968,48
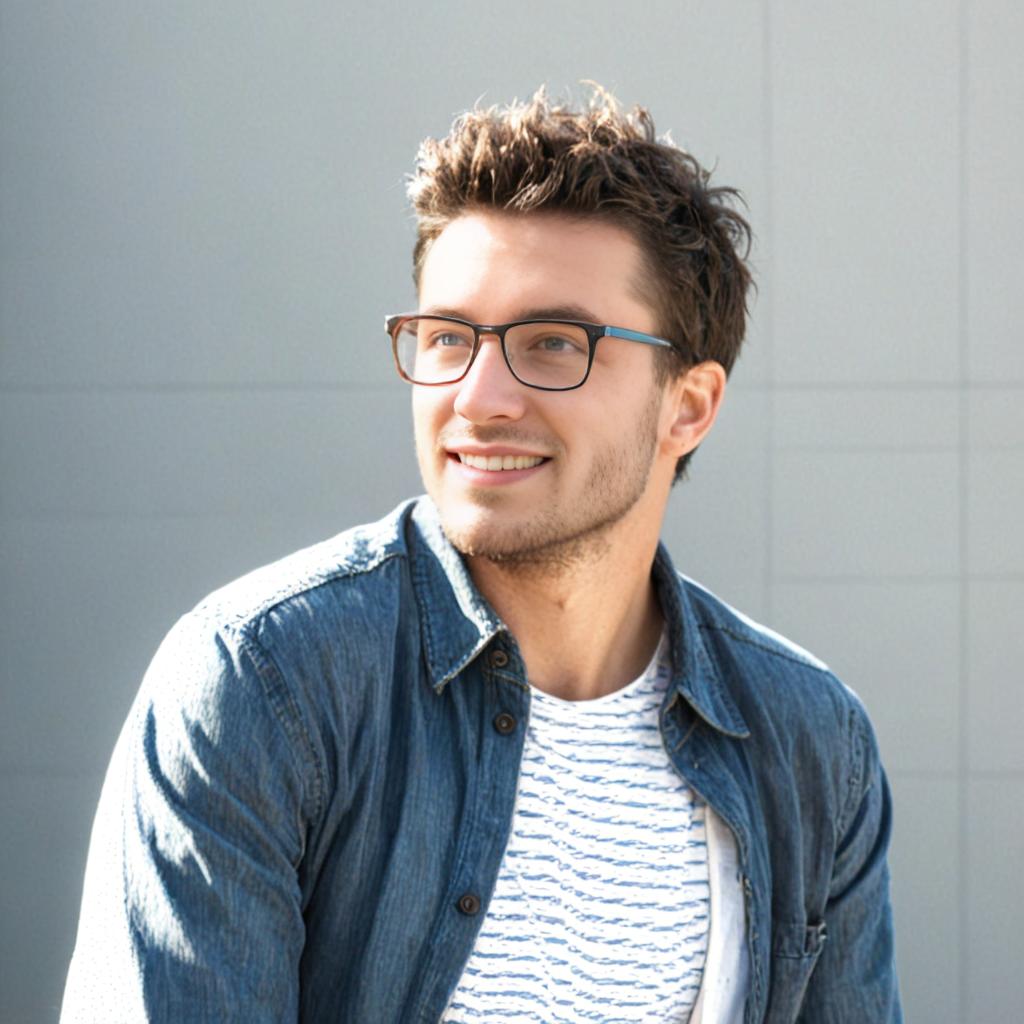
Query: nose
x,y
489,392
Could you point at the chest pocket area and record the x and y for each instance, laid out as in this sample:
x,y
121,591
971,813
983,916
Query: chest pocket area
x,y
795,951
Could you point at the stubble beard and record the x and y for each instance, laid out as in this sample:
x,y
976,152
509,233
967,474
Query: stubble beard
x,y
558,541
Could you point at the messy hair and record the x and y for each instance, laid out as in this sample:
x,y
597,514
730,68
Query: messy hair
x,y
541,156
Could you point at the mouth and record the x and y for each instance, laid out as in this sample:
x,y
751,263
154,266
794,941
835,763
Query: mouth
x,y
498,463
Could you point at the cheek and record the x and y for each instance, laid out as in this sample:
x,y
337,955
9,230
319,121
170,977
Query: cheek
x,y
428,419
424,413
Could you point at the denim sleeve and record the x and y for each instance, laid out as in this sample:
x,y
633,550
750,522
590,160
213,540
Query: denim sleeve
x,y
191,909
855,977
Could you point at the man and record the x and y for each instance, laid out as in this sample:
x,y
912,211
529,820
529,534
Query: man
x,y
491,758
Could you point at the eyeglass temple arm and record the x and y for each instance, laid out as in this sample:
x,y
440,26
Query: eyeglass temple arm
x,y
644,339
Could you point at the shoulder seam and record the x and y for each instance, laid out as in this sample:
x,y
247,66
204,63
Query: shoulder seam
x,y
285,707
255,614
856,787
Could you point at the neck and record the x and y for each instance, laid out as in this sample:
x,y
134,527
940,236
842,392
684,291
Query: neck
x,y
585,627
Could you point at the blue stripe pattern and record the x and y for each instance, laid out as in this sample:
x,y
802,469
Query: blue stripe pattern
x,y
600,910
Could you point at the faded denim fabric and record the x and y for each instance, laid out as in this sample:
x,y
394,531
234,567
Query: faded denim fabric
x,y
306,810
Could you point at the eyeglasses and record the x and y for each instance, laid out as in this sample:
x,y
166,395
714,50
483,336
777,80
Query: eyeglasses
x,y
553,355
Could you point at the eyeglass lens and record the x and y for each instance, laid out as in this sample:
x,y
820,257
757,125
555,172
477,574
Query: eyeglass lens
x,y
548,355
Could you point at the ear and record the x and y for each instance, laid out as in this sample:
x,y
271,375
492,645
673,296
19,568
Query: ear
x,y
692,403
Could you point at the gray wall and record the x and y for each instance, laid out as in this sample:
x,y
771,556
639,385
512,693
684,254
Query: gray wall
x,y
203,222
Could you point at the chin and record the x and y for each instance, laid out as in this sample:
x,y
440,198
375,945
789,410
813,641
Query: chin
x,y
476,533
540,541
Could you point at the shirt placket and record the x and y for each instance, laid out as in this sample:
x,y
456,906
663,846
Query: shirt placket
x,y
501,704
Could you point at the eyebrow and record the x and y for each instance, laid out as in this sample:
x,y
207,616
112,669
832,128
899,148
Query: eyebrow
x,y
567,312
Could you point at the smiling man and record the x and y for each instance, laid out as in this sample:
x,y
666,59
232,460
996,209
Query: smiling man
x,y
492,758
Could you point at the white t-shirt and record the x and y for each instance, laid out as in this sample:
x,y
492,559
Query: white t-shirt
x,y
602,906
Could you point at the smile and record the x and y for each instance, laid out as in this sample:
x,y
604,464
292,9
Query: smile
x,y
500,462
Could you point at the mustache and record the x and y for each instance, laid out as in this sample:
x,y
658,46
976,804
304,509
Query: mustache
x,y
498,435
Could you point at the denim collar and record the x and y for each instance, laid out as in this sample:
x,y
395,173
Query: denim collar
x,y
696,674
457,623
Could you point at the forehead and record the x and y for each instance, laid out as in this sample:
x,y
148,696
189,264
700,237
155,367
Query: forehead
x,y
495,266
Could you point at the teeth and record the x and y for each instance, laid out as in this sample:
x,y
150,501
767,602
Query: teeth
x,y
495,462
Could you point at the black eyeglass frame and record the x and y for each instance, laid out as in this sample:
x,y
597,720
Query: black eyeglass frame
x,y
595,332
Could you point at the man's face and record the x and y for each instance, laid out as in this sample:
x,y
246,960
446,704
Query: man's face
x,y
595,446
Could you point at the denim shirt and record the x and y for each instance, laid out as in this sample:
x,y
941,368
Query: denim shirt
x,y
307,807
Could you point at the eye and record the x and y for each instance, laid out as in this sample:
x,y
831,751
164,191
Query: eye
x,y
447,339
556,343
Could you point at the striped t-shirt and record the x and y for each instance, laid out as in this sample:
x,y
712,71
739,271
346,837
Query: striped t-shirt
x,y
601,906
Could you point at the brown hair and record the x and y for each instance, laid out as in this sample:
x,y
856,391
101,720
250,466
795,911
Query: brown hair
x,y
541,156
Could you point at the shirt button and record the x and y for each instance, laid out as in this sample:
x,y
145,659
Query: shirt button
x,y
504,723
499,659
468,904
